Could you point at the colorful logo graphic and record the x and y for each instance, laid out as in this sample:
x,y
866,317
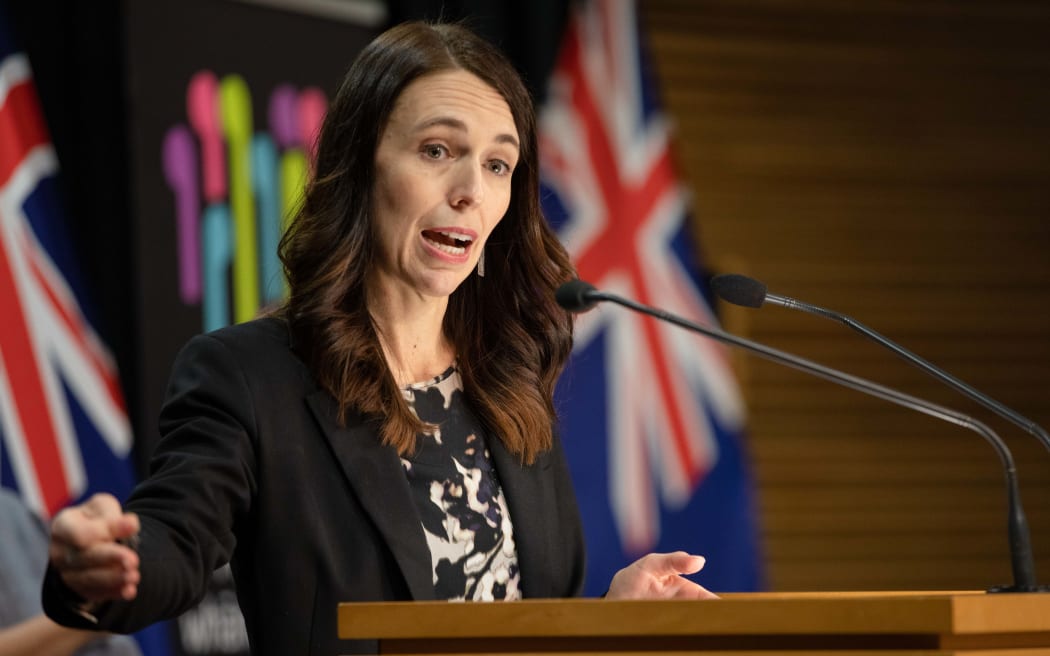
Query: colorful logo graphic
x,y
235,190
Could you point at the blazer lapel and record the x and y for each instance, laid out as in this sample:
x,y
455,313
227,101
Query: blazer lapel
x,y
376,476
527,496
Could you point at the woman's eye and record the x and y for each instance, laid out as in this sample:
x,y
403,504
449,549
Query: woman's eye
x,y
434,151
499,167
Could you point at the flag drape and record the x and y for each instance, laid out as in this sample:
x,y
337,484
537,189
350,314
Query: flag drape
x,y
652,417
64,428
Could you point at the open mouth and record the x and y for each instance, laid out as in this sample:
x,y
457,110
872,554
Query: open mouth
x,y
453,243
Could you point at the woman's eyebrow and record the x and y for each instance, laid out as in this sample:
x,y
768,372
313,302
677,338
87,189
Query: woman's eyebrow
x,y
459,125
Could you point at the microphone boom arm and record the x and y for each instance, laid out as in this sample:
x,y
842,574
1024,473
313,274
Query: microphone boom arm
x,y
1021,559
1006,413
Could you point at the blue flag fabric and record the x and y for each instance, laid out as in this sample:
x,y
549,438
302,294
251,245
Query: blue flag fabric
x,y
652,418
64,430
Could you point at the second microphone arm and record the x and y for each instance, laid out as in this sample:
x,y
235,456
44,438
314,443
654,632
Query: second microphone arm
x,y
742,290
1022,561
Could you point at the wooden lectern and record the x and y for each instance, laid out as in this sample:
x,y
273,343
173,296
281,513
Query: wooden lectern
x,y
829,623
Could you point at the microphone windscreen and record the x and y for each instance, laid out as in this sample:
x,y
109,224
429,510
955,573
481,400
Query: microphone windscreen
x,y
739,290
574,296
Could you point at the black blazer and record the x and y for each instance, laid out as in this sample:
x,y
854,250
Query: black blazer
x,y
253,469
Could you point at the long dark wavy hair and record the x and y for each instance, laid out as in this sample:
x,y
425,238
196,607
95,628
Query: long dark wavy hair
x,y
510,337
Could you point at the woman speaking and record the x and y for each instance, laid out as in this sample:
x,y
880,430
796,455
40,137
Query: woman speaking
x,y
389,433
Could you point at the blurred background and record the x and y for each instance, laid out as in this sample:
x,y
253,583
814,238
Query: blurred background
x,y
886,159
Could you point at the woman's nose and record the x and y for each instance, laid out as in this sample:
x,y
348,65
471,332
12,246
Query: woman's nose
x,y
467,189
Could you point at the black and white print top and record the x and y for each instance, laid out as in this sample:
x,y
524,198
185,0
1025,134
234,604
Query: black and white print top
x,y
457,493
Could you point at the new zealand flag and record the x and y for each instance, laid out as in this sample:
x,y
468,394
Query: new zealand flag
x,y
651,415
64,430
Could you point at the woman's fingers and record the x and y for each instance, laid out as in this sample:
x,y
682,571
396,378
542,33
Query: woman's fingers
x,y
100,556
89,523
660,576
678,562
89,549
103,583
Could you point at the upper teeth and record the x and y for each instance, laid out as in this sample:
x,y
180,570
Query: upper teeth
x,y
455,235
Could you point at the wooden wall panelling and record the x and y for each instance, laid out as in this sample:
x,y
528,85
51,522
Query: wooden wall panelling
x,y
890,160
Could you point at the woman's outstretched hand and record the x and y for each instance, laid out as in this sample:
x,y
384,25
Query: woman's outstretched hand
x,y
659,576
88,551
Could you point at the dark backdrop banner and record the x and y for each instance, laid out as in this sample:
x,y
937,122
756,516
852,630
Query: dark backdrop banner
x,y
222,98
528,32
225,100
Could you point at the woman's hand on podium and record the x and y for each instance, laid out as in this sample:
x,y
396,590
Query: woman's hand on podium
x,y
659,576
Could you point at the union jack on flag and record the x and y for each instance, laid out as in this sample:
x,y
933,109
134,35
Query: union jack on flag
x,y
651,414
64,431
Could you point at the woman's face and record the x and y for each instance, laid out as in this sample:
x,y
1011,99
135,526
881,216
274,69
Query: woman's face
x,y
443,181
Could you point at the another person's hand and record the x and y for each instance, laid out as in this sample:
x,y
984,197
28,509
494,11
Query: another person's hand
x,y
87,550
659,576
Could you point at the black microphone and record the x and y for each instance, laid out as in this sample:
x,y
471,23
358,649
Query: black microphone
x,y
577,295
742,290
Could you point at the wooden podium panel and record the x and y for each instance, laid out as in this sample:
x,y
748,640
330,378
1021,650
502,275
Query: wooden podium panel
x,y
855,623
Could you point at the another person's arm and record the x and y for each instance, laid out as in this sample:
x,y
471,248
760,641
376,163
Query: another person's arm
x,y
39,636
24,630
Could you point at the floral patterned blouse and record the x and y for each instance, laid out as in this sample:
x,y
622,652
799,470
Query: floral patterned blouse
x,y
457,493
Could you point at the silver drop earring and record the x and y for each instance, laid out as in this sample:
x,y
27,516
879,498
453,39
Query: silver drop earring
x,y
481,264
